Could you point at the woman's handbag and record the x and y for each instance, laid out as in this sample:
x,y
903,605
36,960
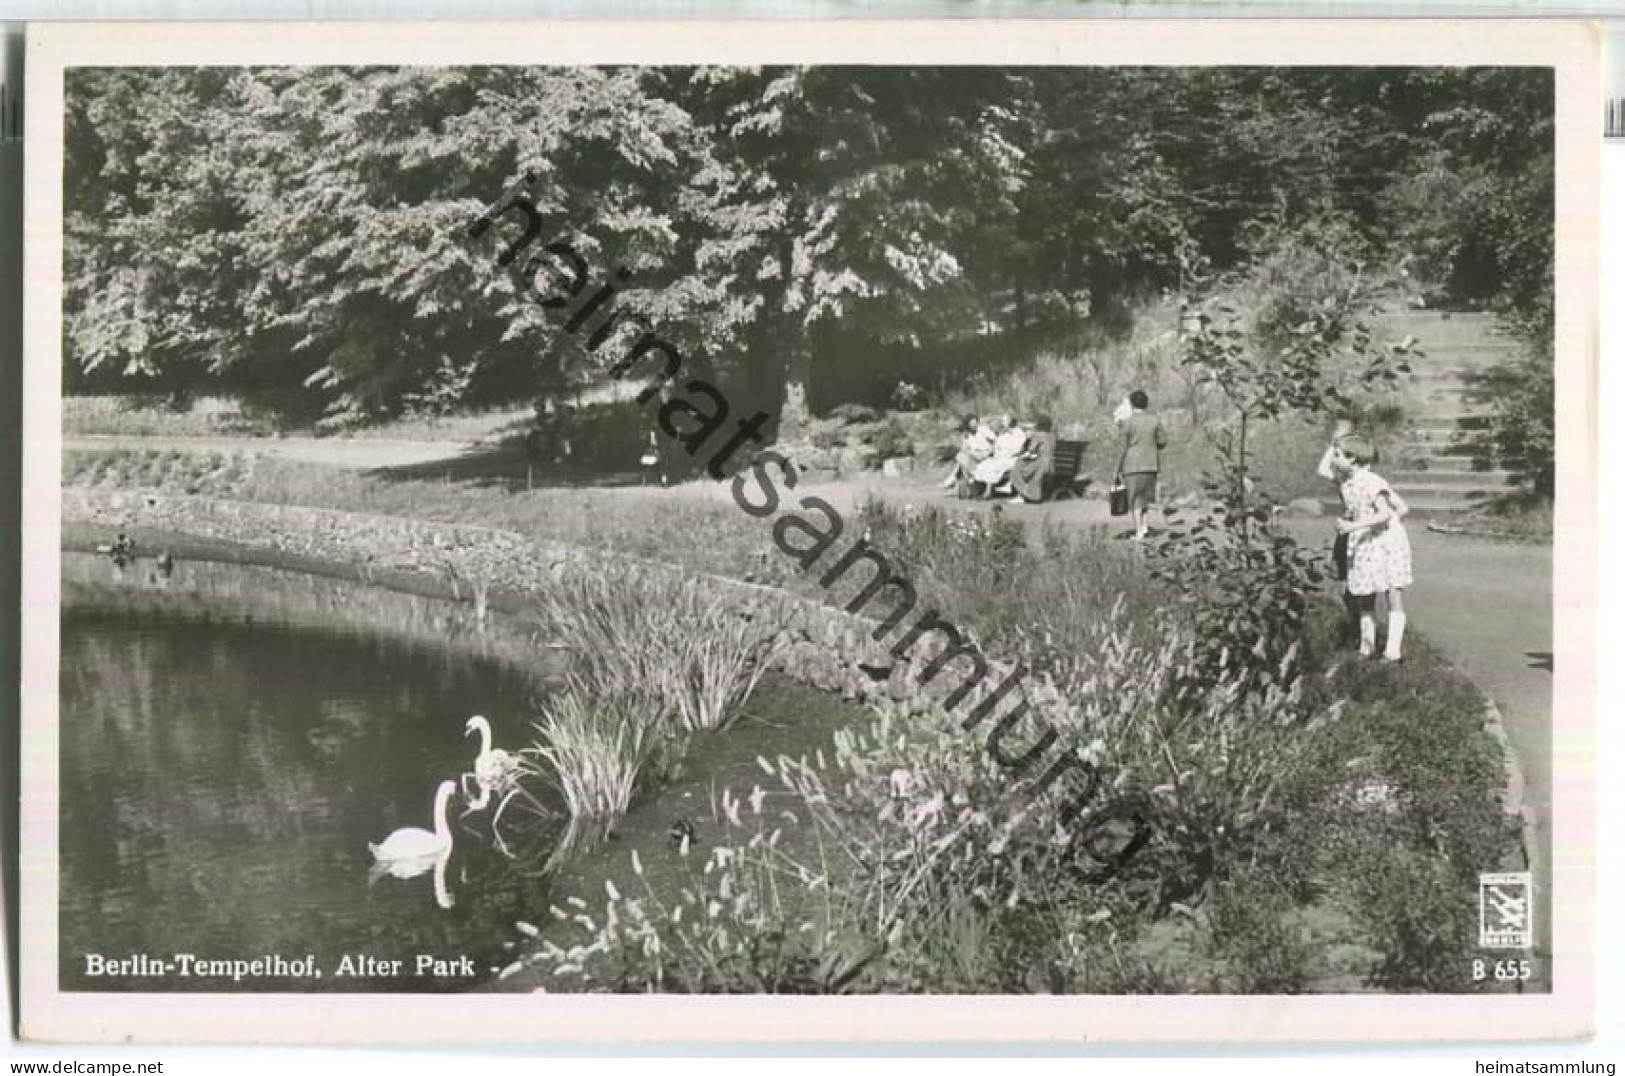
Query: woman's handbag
x,y
1119,497
1340,557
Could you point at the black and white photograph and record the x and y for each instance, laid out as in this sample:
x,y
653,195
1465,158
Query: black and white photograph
x,y
1065,520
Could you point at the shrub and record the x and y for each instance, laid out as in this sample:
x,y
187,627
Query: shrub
x,y
892,440
1253,932
862,892
1245,597
915,861
1523,419
1429,720
949,548
853,413
824,436
1080,385
161,415
1417,912
1320,268
747,922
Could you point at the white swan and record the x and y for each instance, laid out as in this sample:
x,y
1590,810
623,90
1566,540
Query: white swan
x,y
495,771
410,851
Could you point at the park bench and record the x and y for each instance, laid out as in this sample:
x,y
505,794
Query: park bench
x,y
1066,477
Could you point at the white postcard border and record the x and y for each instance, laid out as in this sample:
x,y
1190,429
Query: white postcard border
x,y
1574,48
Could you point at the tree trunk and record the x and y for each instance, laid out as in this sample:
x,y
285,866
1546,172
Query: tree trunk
x,y
794,412
1241,481
795,342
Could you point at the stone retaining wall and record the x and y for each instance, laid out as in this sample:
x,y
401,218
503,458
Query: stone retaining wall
x,y
821,645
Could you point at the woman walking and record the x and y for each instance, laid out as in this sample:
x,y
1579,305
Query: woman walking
x,y
1141,461
1379,550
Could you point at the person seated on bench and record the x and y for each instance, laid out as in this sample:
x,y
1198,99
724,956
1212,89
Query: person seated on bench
x,y
994,471
1037,463
976,447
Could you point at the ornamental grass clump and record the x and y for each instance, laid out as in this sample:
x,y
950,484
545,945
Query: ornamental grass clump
x,y
675,636
595,739
712,657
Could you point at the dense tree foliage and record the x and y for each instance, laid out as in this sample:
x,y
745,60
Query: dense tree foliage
x,y
264,228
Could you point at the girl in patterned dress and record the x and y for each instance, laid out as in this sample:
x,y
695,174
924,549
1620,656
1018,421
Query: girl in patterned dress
x,y
1379,548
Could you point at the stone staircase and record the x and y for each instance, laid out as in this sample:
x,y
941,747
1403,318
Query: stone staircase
x,y
1443,463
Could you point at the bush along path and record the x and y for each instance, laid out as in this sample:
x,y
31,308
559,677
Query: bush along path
x,y
1318,829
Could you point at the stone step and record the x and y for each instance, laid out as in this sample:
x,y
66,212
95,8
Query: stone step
x,y
1450,407
1467,363
1429,401
1453,381
1446,328
1486,346
1429,375
1448,422
1440,483
1443,457
1450,466
1424,431
1436,503
1475,356
1451,385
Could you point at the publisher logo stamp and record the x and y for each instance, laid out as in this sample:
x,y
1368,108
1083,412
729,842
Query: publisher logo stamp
x,y
1506,917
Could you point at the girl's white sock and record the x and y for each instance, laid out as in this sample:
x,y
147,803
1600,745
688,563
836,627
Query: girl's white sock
x,y
1368,634
1396,636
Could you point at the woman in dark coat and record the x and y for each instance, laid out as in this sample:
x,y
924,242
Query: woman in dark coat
x,y
1037,463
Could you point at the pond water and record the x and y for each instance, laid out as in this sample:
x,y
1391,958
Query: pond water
x,y
231,740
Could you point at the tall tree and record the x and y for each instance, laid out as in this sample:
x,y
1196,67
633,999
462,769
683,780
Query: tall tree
x,y
850,202
282,226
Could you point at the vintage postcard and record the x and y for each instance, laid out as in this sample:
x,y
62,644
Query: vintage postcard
x,y
1052,531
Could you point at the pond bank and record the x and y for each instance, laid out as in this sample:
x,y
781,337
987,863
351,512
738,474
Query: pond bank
x,y
781,718
822,646
828,653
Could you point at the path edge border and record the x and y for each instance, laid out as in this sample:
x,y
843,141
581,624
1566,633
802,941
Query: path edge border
x,y
1513,799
